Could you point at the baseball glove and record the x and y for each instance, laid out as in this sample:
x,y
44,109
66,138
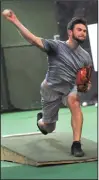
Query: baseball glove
x,y
83,78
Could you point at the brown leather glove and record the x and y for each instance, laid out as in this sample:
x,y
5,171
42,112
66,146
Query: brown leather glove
x,y
83,79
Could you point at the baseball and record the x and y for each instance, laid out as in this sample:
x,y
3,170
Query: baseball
x,y
6,12
96,104
84,104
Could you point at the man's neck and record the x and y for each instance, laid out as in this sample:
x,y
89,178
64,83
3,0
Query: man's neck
x,y
72,44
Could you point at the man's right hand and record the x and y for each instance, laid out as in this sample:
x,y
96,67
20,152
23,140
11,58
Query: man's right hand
x,y
10,15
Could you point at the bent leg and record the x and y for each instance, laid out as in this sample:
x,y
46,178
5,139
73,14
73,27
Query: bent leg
x,y
47,119
51,100
46,127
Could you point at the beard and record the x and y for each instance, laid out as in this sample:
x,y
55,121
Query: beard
x,y
79,41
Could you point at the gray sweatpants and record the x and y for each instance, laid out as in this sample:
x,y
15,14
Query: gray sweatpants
x,y
51,101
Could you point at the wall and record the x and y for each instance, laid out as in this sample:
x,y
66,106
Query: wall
x,y
26,65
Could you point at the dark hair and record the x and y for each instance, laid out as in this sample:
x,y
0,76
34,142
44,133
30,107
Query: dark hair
x,y
76,20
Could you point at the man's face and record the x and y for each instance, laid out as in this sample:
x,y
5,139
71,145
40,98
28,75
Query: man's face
x,y
79,33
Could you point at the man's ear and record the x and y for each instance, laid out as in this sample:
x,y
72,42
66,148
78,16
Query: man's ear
x,y
69,33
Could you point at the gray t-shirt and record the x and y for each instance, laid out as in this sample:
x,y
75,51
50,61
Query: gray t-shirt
x,y
63,63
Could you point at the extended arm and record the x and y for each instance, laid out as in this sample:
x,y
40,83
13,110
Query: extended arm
x,y
10,16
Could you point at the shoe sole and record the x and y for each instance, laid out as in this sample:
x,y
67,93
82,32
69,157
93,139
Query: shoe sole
x,y
77,155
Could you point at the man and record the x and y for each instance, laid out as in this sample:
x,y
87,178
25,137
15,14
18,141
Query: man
x,y
65,59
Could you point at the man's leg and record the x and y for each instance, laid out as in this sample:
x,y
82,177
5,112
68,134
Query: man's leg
x,y
45,127
76,116
76,123
46,120
73,102
51,100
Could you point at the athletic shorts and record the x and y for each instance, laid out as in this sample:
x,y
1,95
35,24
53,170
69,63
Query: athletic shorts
x,y
51,101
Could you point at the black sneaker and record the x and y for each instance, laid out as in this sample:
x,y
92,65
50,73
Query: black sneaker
x,y
76,149
39,116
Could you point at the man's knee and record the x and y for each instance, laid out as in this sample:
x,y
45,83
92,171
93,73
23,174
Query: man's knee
x,y
74,103
50,127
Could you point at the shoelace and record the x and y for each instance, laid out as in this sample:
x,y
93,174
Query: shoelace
x,y
78,146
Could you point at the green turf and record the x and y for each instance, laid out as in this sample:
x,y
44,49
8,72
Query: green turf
x,y
74,171
24,122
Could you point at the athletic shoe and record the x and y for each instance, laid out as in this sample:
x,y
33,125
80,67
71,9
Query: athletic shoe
x,y
76,149
39,116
